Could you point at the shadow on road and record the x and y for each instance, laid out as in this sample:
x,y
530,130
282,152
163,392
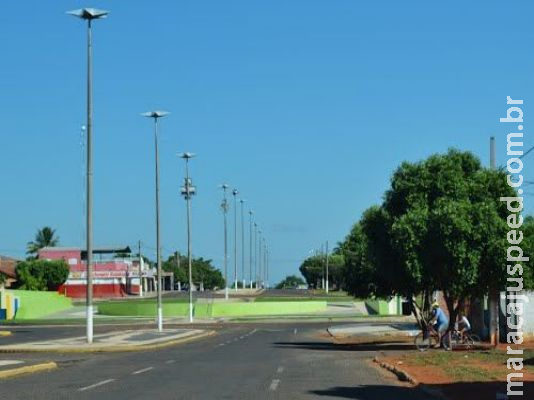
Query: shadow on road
x,y
373,392
346,347
456,391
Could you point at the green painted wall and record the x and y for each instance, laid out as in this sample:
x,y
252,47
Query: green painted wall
x,y
142,309
35,304
270,308
379,307
207,310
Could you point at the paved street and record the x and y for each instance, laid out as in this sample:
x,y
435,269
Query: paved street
x,y
240,362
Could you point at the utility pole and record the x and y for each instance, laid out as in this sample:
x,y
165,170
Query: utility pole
x,y
494,293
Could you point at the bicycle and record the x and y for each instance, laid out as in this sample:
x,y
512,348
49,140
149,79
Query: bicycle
x,y
467,339
430,337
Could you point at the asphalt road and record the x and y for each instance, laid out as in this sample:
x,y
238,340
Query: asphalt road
x,y
240,362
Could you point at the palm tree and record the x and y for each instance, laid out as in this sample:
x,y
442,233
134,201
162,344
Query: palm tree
x,y
43,238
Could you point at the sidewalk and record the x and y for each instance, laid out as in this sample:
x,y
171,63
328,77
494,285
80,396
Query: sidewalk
x,y
407,329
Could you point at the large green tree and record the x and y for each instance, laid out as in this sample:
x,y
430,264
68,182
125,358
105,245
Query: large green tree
x,y
202,271
314,270
41,274
441,227
290,282
45,237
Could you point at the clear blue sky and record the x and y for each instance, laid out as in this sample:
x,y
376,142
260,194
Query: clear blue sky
x,y
305,106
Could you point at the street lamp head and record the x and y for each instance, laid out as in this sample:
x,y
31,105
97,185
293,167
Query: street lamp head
x,y
186,155
155,114
89,13
224,186
235,192
250,212
242,201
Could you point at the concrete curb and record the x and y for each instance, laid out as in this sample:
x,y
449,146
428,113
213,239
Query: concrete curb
x,y
112,348
403,376
30,369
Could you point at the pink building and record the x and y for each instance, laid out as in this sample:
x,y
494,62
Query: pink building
x,y
113,275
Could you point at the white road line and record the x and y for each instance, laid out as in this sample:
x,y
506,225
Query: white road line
x,y
170,362
142,370
280,370
96,385
274,385
242,337
295,331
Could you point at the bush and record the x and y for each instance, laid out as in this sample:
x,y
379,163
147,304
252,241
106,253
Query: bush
x,y
41,274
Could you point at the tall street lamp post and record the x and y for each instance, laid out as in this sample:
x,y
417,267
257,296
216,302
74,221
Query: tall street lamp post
x,y
157,115
243,245
235,193
250,247
255,254
327,261
259,260
224,208
89,14
188,190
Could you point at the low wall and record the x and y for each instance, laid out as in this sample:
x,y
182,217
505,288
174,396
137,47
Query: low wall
x,y
270,308
208,310
36,304
142,309
383,307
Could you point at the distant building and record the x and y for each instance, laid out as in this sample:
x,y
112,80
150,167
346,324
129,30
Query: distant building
x,y
8,267
115,273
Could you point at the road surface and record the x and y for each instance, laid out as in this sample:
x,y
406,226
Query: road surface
x,y
240,362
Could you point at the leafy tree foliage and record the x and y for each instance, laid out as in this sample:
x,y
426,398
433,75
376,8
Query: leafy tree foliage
x,y
441,227
314,269
45,237
202,271
41,274
291,282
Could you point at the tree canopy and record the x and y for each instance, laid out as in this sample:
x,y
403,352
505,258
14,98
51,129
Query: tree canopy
x,y
314,270
45,237
291,282
441,226
41,274
202,271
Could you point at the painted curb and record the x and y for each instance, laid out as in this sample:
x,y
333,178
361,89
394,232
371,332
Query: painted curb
x,y
30,369
5,333
403,376
111,349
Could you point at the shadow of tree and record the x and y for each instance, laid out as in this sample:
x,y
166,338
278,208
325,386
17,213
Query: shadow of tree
x,y
326,346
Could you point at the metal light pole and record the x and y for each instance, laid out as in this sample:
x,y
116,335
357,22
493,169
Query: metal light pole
x,y
157,115
235,193
89,14
224,208
327,267
255,254
188,190
243,244
250,247
264,263
260,277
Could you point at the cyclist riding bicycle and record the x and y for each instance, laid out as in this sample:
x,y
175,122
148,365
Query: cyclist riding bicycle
x,y
463,326
440,320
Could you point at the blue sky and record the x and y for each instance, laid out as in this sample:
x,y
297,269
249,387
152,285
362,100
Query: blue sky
x,y
305,106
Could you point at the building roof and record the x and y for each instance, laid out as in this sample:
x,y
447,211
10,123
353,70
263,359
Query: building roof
x,y
8,266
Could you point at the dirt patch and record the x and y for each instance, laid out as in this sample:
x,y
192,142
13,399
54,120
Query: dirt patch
x,y
462,375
